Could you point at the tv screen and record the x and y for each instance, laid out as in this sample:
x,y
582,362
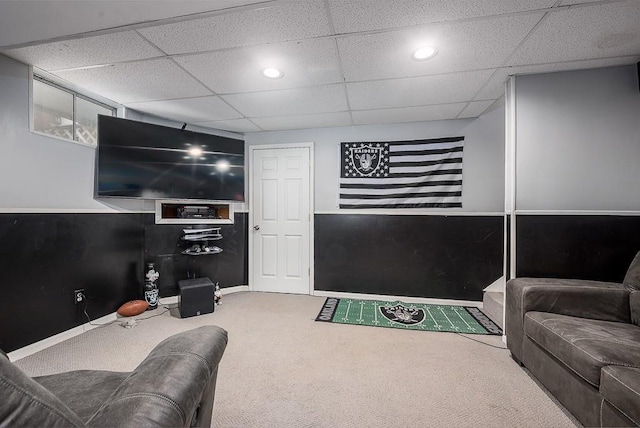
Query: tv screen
x,y
142,160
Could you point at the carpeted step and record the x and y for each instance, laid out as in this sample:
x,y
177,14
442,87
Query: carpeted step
x,y
493,306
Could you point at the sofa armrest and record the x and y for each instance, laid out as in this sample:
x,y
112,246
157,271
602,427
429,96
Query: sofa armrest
x,y
167,388
606,301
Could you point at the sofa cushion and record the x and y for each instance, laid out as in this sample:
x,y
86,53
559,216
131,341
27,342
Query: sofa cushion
x,y
620,386
585,345
632,278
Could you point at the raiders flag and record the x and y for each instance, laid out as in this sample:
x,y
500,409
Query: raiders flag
x,y
402,174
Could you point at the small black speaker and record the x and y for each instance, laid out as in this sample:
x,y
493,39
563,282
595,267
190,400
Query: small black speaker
x,y
195,297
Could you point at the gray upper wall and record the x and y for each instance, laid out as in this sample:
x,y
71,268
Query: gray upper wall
x,y
483,170
578,140
37,172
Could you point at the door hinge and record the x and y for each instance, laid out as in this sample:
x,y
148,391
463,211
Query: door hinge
x,y
309,271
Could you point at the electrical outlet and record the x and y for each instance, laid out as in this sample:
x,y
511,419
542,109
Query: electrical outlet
x,y
78,296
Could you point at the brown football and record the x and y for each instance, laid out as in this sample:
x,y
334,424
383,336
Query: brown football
x,y
132,308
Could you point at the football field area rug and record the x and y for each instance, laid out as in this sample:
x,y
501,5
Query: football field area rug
x,y
407,316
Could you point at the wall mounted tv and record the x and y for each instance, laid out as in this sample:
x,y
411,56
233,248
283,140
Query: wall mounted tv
x,y
146,161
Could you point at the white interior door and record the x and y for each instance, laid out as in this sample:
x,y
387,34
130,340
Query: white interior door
x,y
281,220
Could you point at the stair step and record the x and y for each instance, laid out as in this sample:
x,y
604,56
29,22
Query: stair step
x,y
493,306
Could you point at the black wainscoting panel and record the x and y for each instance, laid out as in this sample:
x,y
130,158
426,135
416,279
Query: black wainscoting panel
x,y
576,246
44,257
164,244
420,256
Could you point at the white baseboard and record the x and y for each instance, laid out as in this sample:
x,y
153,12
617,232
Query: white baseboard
x,y
60,337
405,299
236,289
168,300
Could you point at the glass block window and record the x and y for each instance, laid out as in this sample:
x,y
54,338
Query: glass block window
x,y
65,114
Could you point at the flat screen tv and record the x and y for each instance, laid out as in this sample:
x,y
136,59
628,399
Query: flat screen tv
x,y
141,160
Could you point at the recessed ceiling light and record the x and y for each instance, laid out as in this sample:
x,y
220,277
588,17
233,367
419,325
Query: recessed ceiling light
x,y
424,53
195,152
223,165
272,73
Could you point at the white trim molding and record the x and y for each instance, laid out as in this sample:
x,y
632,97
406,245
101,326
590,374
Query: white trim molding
x,y
60,337
418,211
107,319
578,212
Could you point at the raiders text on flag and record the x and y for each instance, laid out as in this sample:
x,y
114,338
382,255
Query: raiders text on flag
x,y
402,174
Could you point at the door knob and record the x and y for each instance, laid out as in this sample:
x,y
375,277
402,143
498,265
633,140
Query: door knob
x,y
256,227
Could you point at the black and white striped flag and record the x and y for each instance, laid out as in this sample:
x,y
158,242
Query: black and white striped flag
x,y
402,174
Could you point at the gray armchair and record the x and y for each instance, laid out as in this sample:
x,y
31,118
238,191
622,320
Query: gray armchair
x,y
174,386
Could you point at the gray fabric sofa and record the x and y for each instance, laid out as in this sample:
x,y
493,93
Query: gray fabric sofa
x,y
581,340
174,386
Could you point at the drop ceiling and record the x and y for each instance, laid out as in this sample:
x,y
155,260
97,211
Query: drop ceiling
x,y
345,62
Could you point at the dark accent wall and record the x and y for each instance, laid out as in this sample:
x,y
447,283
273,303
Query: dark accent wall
x,y
448,257
45,256
164,244
594,247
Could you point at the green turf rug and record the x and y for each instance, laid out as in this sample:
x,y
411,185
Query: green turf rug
x,y
408,316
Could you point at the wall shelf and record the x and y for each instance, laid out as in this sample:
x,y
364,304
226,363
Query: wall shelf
x,y
184,211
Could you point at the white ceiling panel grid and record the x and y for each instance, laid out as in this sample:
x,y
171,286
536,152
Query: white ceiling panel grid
x,y
189,110
475,109
138,81
87,51
270,24
233,125
461,46
579,33
407,114
319,99
345,62
305,63
40,20
319,120
415,91
495,85
367,15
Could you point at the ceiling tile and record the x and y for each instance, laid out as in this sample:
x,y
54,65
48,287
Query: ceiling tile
x,y
416,91
105,49
319,99
138,81
267,24
233,125
29,21
594,31
461,46
494,88
407,114
306,63
320,120
366,15
189,110
475,108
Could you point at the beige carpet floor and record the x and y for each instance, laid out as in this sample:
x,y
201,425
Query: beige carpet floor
x,y
283,369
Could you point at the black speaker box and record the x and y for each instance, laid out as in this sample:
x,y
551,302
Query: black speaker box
x,y
195,297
